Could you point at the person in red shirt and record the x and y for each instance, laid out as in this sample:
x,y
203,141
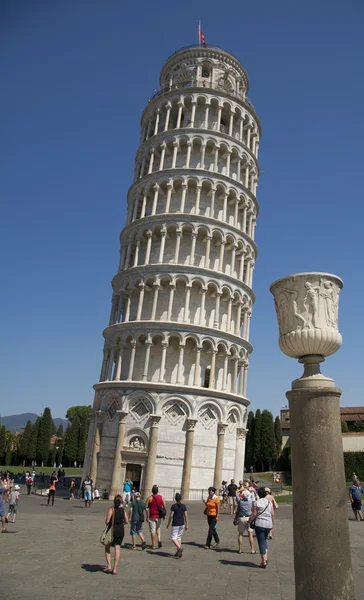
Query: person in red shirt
x,y
156,510
52,488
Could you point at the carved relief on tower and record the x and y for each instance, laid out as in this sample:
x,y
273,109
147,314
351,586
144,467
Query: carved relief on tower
x,y
207,415
175,412
112,403
140,410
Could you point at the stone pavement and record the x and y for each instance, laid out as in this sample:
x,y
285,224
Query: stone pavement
x,y
54,552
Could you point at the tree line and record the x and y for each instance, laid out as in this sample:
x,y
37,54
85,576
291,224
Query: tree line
x,y
263,441
43,443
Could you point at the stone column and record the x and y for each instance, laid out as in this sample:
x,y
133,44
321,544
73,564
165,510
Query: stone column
x,y
178,245
172,288
208,250
193,112
155,300
221,428
188,156
187,462
186,310
163,361
148,345
320,529
116,483
180,363
196,380
132,359
152,455
96,446
212,370
240,453
183,196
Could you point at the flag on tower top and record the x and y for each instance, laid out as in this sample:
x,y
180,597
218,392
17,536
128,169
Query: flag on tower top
x,y
201,37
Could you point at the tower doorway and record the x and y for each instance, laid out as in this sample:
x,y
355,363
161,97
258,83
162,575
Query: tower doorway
x,y
133,472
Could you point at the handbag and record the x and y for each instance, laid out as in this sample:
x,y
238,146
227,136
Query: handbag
x,y
141,514
161,510
107,535
252,523
236,519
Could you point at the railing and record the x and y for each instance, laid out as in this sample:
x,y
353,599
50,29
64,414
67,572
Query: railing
x,y
169,493
197,46
203,84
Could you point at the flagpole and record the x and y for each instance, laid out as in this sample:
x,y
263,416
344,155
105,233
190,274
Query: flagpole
x,y
199,33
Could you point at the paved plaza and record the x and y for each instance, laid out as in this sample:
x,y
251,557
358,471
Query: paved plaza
x,y
54,552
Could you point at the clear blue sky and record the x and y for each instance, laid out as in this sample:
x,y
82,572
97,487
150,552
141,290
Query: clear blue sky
x,y
75,78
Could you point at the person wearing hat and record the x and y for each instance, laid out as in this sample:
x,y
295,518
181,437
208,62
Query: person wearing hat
x,y
13,503
136,516
179,518
242,517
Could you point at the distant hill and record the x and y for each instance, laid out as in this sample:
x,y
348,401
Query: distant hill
x,y
18,422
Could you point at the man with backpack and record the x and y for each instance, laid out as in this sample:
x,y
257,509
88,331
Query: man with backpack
x,y
136,518
156,511
29,483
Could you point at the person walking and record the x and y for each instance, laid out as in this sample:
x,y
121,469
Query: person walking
x,y
275,506
72,489
156,510
52,489
232,487
13,504
243,512
116,517
136,518
262,515
179,518
29,483
3,490
212,512
355,492
87,488
127,490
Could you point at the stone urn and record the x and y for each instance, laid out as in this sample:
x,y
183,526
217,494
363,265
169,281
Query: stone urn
x,y
307,313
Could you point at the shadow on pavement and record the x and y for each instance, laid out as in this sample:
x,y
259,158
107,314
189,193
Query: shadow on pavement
x,y
156,553
238,563
93,568
193,544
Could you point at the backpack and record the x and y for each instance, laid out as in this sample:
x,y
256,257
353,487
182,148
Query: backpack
x,y
161,510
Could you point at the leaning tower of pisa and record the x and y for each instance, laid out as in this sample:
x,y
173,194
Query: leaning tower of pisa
x,y
170,407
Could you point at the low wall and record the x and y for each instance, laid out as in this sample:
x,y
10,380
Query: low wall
x,y
353,441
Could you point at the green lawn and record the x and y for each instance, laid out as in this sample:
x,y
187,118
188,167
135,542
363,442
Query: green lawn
x,y
46,470
284,499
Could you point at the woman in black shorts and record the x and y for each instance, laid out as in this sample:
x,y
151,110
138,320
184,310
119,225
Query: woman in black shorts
x,y
116,517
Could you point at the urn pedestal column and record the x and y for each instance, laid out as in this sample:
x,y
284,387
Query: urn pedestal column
x,y
307,311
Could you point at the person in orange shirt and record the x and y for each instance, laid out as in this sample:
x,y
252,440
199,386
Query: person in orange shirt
x,y
212,511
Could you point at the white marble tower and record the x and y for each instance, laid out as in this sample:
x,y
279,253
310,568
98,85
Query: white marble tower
x,y
170,407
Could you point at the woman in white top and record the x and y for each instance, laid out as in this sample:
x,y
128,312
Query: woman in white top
x,y
275,505
262,513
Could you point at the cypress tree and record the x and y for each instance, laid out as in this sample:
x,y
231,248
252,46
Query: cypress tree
x,y
2,443
278,435
44,437
60,445
257,456
32,448
72,439
268,446
344,427
84,425
249,442
25,440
